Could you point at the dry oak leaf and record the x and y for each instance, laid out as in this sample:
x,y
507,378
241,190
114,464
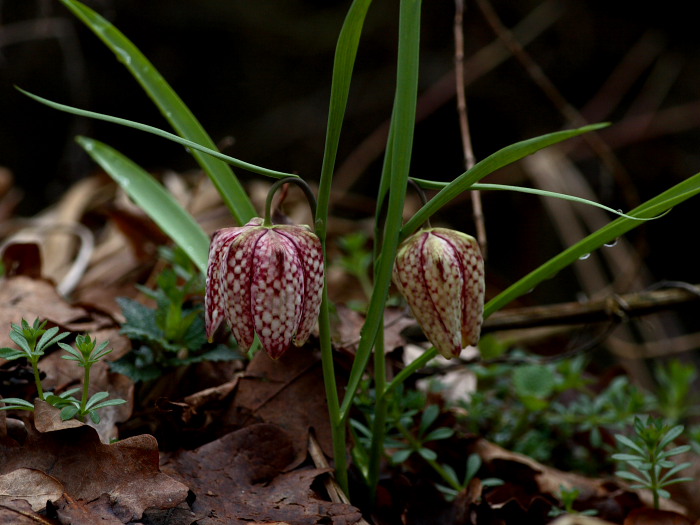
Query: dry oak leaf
x,y
239,479
288,392
127,471
33,486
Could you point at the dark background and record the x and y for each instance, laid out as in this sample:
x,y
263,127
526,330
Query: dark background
x,y
258,72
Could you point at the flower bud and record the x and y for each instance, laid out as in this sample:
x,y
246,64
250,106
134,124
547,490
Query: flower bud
x,y
265,280
440,272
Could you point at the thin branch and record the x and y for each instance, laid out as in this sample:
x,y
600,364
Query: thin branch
x,y
612,307
469,159
569,112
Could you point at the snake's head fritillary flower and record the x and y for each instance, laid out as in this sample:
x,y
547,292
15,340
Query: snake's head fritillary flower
x,y
265,280
440,272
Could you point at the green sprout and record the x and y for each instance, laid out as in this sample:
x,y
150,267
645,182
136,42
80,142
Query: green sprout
x,y
33,341
649,456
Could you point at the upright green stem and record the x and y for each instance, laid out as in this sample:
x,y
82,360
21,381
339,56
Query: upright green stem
x,y
37,378
380,407
86,388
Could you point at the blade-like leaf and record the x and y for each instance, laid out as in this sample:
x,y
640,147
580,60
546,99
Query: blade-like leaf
x,y
96,398
652,208
108,403
11,353
12,403
672,434
171,106
160,133
154,199
501,158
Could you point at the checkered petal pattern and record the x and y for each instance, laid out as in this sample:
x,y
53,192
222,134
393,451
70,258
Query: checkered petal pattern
x,y
266,281
440,272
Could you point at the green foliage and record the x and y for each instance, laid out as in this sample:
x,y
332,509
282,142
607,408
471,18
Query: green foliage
x,y
171,334
356,260
33,341
537,409
568,497
457,485
647,454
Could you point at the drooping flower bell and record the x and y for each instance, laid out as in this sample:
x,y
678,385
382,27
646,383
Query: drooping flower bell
x,y
440,272
267,280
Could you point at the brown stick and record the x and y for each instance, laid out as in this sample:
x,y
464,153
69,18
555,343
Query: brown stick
x,y
460,90
609,308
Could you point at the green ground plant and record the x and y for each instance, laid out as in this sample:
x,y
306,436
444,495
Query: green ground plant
x,y
389,226
33,341
171,334
646,453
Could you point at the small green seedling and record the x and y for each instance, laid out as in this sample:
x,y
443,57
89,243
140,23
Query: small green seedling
x,y
649,456
33,341
456,485
568,497
171,334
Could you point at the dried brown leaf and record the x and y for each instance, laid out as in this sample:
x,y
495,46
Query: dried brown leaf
x,y
33,486
240,478
127,470
288,392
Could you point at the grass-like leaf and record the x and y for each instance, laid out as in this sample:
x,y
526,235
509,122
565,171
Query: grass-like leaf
x,y
160,133
493,162
154,199
170,105
428,184
652,208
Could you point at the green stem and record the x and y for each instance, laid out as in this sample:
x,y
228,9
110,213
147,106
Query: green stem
x,y
310,197
409,370
380,409
416,445
37,378
86,388
337,423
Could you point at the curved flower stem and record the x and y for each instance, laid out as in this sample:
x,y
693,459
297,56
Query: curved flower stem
x,y
310,197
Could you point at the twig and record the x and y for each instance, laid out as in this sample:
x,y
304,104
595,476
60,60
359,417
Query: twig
x,y
570,113
335,493
612,307
442,91
469,159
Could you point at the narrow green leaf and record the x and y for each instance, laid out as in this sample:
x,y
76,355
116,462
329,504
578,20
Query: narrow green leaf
x,y
160,133
69,412
108,403
631,444
343,65
399,149
427,454
428,184
96,398
652,208
11,353
670,435
171,106
439,433
501,158
12,403
154,199
624,474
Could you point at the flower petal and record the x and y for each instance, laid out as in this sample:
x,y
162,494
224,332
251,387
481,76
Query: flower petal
x,y
310,253
277,289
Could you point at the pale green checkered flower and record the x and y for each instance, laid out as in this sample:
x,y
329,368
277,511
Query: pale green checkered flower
x,y
440,272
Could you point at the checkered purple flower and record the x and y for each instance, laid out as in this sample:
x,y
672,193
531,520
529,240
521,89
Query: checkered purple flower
x,y
265,280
